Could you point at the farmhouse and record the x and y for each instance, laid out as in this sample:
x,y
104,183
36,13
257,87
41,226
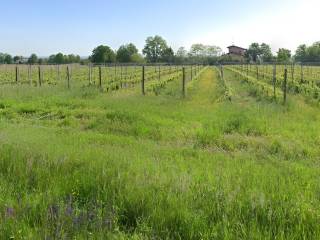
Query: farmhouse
x,y
237,51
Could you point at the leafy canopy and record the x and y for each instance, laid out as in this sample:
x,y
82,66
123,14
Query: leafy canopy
x,y
103,54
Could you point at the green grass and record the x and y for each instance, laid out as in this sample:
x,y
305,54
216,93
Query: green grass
x,y
82,164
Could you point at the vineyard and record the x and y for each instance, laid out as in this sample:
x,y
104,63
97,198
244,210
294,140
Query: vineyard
x,y
277,80
108,78
159,152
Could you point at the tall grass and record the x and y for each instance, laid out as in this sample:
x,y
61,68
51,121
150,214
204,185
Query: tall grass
x,y
83,164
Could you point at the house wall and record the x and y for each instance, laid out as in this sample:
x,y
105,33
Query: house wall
x,y
237,51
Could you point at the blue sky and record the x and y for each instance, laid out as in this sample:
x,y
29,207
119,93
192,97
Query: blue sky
x,y
77,26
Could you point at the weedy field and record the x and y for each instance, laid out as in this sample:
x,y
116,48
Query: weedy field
x,y
87,164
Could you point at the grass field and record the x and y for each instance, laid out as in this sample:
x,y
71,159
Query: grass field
x,y
86,164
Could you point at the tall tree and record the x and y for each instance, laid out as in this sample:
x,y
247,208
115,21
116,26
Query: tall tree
x,y
306,53
200,53
301,53
181,55
2,57
103,54
197,50
8,59
313,52
125,53
17,59
155,49
266,53
253,53
283,55
168,55
59,58
137,58
212,51
33,59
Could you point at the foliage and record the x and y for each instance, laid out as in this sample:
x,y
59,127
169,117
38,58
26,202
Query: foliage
x,y
60,58
168,55
156,49
306,53
17,59
137,58
6,58
257,52
253,52
283,55
103,54
266,53
181,55
125,53
33,59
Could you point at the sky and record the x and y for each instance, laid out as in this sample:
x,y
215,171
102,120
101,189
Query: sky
x,y
77,26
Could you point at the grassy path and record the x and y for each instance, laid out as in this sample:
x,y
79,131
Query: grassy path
x,y
86,165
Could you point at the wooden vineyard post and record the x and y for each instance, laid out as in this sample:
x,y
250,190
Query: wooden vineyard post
x,y
257,71
68,77
125,77
58,73
183,82
17,74
247,72
121,73
285,85
39,76
274,80
222,73
191,73
100,77
115,73
159,77
301,80
29,75
90,74
292,72
142,81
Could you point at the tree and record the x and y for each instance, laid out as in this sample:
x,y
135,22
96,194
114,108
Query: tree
x,y
33,59
137,58
59,58
8,59
103,54
197,50
155,49
125,52
265,51
283,55
17,59
71,58
181,55
253,53
306,53
313,52
168,55
212,51
132,48
207,54
2,57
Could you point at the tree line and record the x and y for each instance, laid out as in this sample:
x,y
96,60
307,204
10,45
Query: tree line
x,y
157,50
262,53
